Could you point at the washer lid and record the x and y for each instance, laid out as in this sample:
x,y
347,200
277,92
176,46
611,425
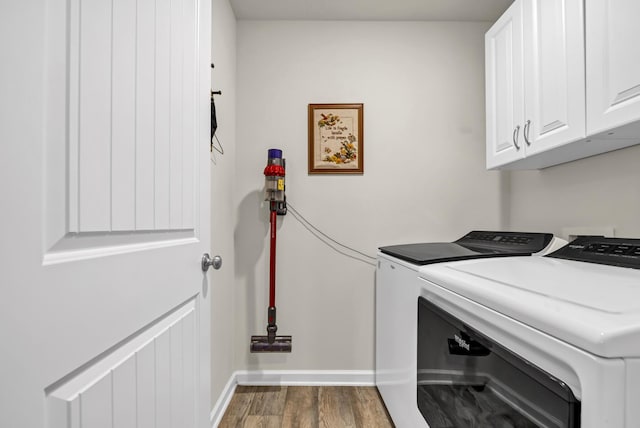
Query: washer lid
x,y
474,245
593,307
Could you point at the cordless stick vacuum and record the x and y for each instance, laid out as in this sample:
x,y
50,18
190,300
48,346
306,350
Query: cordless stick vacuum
x,y
274,183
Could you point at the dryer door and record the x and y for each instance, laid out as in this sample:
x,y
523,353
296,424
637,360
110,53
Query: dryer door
x,y
467,380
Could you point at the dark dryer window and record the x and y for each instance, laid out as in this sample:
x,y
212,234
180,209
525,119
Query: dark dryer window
x,y
466,380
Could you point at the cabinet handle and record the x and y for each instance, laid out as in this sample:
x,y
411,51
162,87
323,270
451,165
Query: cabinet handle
x,y
527,128
516,133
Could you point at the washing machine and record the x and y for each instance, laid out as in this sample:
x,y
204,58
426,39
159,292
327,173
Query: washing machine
x,y
549,341
397,288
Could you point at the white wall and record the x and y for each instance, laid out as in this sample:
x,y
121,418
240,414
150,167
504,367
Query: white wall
x,y
223,77
601,191
422,85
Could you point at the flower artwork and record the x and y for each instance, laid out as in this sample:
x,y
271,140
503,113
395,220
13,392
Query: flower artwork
x,y
328,120
335,139
347,151
346,154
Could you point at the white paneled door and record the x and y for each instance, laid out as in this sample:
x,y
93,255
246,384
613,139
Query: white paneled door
x,y
104,309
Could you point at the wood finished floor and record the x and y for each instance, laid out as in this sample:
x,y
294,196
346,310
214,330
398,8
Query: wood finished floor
x,y
306,406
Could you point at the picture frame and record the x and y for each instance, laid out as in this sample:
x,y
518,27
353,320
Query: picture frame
x,y
336,144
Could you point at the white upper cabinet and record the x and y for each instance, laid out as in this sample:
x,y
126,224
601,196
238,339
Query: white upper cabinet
x,y
613,65
534,81
505,88
554,73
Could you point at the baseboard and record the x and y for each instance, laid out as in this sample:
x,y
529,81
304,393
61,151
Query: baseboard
x,y
288,378
306,377
223,401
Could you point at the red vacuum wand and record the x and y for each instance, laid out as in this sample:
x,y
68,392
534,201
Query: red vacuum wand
x,y
274,174
272,263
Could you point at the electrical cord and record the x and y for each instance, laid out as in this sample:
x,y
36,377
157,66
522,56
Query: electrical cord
x,y
334,248
324,237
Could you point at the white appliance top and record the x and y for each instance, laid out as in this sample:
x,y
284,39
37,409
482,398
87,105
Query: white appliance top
x,y
592,306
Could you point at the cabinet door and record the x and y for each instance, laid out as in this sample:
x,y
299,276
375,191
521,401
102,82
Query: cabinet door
x,y
554,73
504,87
613,65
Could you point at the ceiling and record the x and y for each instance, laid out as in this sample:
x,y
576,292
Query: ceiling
x,y
370,10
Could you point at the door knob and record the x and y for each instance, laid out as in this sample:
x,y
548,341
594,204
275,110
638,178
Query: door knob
x,y
207,261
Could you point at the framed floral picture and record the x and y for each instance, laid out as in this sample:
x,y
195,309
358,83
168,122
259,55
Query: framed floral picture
x,y
335,139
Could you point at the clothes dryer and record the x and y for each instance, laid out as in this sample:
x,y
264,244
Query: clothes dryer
x,y
551,341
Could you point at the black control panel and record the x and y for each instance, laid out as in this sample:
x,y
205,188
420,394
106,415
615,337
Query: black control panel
x,y
507,241
623,252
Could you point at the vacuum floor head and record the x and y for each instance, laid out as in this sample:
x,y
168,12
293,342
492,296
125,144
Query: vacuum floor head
x,y
261,344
